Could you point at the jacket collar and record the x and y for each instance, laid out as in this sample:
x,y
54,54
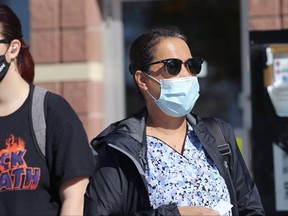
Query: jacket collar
x,y
133,126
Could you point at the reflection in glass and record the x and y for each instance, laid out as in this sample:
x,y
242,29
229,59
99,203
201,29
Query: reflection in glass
x,y
213,31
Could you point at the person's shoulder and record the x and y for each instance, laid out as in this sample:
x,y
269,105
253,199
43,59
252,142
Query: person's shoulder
x,y
57,101
52,101
221,121
129,129
57,105
209,119
225,126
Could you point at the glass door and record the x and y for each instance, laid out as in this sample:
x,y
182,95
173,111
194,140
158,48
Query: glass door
x,y
213,31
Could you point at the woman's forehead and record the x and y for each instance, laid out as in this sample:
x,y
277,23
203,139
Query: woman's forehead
x,y
171,47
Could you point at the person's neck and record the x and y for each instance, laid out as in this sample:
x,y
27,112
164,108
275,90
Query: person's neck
x,y
165,124
170,130
13,93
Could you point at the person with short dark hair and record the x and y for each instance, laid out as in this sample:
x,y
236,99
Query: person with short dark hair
x,y
162,160
31,183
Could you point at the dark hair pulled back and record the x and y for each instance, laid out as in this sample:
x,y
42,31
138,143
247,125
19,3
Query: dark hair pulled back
x,y
12,29
143,48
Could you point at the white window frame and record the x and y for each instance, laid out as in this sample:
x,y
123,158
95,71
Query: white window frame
x,y
113,50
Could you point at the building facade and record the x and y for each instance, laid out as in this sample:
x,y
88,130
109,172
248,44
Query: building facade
x,y
79,52
80,48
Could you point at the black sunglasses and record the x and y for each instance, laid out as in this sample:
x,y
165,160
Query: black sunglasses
x,y
5,41
173,65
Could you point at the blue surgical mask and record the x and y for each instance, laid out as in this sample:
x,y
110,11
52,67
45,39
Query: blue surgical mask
x,y
177,96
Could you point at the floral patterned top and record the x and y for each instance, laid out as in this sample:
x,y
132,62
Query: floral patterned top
x,y
187,179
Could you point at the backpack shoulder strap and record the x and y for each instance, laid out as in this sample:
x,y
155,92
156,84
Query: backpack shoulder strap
x,y
38,117
215,130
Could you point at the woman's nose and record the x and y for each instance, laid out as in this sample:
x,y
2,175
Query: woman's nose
x,y
184,71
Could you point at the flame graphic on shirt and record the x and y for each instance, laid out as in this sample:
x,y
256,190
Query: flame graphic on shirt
x,y
13,144
14,172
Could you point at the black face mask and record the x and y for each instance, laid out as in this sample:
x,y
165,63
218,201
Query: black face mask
x,y
4,66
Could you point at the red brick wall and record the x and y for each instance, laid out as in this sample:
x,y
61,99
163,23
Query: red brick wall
x,y
69,31
268,14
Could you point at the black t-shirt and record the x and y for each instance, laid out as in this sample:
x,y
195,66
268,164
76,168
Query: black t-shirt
x,y
29,185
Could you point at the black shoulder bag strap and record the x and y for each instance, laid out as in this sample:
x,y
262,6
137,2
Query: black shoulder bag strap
x,y
215,130
224,148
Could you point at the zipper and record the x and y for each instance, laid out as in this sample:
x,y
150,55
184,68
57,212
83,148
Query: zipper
x,y
234,208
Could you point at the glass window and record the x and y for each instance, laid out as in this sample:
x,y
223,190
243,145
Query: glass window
x,y
213,31
21,8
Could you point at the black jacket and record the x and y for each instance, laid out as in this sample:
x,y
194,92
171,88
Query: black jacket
x,y
118,186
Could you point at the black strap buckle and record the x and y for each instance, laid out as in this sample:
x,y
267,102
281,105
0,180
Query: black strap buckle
x,y
224,149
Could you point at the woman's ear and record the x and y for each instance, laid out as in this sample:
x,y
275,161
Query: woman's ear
x,y
140,79
14,49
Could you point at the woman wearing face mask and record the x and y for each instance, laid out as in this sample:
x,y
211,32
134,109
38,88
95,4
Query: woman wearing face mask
x,y
155,162
31,183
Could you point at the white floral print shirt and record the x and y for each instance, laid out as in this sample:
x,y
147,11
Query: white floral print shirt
x,y
187,179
